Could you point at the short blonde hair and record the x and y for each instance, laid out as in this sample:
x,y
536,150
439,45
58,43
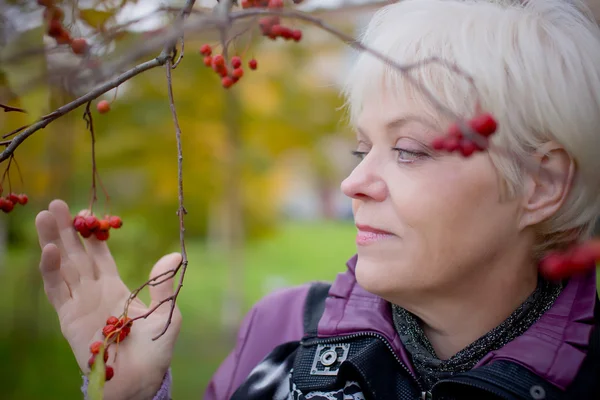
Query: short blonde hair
x,y
536,66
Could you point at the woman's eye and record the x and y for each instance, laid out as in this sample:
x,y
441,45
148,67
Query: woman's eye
x,y
406,156
359,154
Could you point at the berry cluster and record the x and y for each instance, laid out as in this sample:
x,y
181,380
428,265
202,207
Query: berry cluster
x,y
229,75
53,16
91,225
484,125
7,204
115,331
575,260
271,26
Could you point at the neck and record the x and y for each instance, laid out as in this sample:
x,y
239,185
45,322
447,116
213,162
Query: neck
x,y
453,319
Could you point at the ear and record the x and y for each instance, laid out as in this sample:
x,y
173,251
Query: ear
x,y
547,185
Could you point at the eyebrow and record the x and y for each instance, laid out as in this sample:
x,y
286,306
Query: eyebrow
x,y
401,121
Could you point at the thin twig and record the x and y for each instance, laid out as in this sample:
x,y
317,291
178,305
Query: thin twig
x,y
87,116
180,53
181,211
9,108
14,132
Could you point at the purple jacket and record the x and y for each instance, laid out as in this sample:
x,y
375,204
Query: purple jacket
x,y
553,348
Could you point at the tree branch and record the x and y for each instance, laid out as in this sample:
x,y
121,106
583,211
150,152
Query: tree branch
x,y
100,90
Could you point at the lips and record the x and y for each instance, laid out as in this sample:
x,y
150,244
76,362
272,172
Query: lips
x,y
370,229
369,235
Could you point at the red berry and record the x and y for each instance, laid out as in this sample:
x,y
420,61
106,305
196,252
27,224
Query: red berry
x,y
451,144
467,148
122,335
245,4
110,372
55,28
23,199
102,235
7,205
79,223
287,33
63,38
454,131
227,82
125,322
108,329
275,3
266,24
484,124
554,266
56,13
92,223
115,222
85,232
222,72
236,62
79,46
276,30
13,197
103,106
104,225
112,320
253,64
205,50
218,61
95,347
297,35
438,143
581,259
238,73
208,61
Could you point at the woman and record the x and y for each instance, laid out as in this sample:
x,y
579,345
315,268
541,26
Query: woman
x,y
443,299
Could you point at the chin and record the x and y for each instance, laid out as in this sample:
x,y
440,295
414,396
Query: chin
x,y
381,279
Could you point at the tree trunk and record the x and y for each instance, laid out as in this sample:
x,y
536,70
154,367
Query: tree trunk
x,y
233,218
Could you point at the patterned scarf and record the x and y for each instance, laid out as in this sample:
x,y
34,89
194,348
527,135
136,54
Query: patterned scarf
x,y
431,368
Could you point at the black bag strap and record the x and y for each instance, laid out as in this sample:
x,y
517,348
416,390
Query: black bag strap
x,y
314,307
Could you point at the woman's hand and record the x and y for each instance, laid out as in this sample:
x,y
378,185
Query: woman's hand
x,y
82,283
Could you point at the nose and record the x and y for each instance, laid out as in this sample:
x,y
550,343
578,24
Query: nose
x,y
365,182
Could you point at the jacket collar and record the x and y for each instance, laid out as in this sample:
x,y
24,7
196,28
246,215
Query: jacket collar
x,y
553,348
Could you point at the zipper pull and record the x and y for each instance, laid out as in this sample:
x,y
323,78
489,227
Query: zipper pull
x,y
426,396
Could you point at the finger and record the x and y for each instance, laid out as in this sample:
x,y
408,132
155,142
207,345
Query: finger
x,y
72,244
55,286
166,288
98,250
48,233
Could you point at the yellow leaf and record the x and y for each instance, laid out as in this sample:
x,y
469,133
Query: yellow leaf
x,y
97,377
95,18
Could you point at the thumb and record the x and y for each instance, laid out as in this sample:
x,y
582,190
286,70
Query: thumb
x,y
166,280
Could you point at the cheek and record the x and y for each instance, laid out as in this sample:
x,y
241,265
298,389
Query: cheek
x,y
447,207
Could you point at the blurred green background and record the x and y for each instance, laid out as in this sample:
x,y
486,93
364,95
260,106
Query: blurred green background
x,y
262,167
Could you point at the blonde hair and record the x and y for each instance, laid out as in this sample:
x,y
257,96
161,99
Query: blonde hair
x,y
536,67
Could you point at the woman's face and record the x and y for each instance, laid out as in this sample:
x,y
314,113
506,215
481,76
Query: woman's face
x,y
441,215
